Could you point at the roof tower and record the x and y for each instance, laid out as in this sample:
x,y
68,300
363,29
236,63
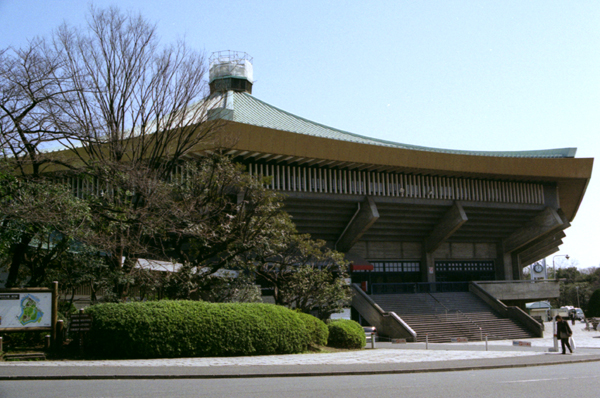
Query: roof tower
x,y
230,70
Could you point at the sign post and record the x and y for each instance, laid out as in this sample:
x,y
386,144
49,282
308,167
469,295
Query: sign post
x,y
54,312
80,323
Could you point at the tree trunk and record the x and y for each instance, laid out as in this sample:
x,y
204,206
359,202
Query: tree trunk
x,y
18,250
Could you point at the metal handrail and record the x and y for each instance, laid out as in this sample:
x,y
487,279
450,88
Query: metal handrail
x,y
457,313
418,287
472,321
521,281
440,303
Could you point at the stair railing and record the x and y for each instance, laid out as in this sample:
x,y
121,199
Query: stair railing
x,y
446,309
459,312
472,321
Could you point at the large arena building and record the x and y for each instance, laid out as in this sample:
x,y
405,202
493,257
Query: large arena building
x,y
411,219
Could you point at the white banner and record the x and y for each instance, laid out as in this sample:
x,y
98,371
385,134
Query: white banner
x,y
25,309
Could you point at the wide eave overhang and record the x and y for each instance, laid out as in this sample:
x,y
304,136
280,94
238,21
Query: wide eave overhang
x,y
571,175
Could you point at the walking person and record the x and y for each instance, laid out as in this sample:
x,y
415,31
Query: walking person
x,y
564,332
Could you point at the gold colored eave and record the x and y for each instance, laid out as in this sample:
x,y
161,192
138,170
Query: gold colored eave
x,y
571,175
259,139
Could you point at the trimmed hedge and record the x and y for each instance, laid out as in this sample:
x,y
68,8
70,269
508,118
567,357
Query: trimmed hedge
x,y
170,329
344,333
316,329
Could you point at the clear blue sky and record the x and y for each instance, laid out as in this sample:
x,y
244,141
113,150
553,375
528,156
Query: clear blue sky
x,y
482,75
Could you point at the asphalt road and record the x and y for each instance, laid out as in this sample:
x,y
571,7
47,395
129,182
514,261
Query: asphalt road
x,y
531,382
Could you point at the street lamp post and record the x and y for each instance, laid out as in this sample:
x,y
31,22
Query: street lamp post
x,y
554,263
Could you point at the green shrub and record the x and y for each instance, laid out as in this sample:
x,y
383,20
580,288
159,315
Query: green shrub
x,y
316,329
344,333
169,329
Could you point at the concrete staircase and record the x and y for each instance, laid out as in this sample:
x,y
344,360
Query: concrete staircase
x,y
448,315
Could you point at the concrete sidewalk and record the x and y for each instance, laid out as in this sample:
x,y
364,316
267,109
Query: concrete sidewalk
x,y
386,358
163,371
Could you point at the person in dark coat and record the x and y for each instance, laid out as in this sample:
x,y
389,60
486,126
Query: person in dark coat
x,y
563,332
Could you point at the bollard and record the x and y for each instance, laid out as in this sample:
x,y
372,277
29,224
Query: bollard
x,y
48,337
480,334
0,344
486,341
555,334
372,340
426,341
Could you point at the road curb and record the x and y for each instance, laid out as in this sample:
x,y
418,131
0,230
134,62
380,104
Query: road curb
x,y
288,374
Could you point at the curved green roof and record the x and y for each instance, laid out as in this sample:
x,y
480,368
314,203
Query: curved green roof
x,y
244,108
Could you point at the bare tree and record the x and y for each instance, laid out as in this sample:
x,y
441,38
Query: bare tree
x,y
30,82
131,112
30,79
128,99
128,109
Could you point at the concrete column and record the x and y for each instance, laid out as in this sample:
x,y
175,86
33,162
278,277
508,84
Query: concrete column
x,y
544,223
505,265
499,264
428,266
454,218
551,196
517,270
363,219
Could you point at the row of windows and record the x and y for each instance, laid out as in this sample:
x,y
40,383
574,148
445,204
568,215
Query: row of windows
x,y
396,266
472,266
440,266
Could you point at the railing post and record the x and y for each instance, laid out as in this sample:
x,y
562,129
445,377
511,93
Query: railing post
x,y
486,341
426,341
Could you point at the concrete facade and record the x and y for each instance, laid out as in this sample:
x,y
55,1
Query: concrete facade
x,y
509,291
415,213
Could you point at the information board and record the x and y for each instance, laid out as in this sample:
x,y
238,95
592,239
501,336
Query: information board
x,y
80,323
25,310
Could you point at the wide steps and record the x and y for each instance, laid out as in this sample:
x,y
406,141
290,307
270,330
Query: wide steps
x,y
444,316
